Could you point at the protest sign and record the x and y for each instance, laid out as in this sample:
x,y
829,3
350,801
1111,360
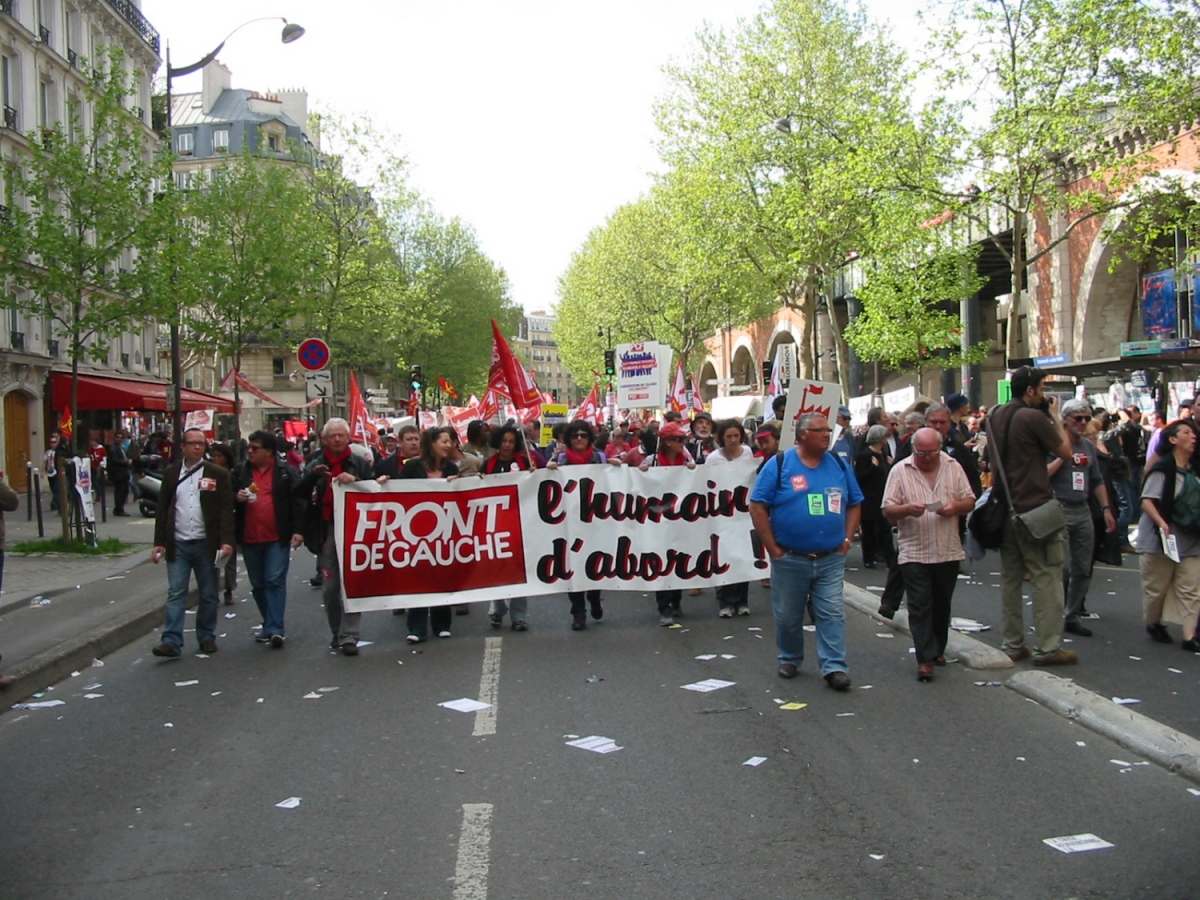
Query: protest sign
x,y
641,376
428,543
552,414
806,396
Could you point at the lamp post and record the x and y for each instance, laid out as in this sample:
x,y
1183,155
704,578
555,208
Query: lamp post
x,y
605,332
291,32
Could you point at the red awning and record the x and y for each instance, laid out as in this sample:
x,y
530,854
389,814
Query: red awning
x,y
103,392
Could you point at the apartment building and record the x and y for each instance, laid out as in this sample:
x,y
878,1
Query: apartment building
x,y
535,343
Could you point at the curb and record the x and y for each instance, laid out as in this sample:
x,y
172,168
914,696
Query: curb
x,y
971,653
1171,749
57,663
130,562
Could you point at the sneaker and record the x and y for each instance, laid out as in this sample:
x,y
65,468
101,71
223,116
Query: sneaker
x,y
444,634
665,621
277,641
1192,646
1158,632
839,681
350,648
520,626
165,650
261,638
497,621
743,610
578,623
413,639
1059,657
597,609
726,612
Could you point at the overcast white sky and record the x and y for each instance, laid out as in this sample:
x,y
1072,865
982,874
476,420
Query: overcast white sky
x,y
529,119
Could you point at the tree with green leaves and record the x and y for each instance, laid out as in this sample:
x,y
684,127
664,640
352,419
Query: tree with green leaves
x,y
244,257
82,222
1065,95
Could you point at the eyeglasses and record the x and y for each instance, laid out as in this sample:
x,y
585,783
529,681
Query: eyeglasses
x,y
1080,418
820,430
926,452
578,435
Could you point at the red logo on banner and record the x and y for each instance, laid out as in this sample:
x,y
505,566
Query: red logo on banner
x,y
425,542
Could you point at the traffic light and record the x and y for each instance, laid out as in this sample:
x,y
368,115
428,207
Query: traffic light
x,y
610,363
415,381
767,367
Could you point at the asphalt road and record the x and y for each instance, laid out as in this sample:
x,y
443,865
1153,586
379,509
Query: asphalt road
x,y
953,786
1118,660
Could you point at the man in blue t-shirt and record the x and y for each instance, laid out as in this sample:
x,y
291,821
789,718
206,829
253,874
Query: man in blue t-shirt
x,y
805,507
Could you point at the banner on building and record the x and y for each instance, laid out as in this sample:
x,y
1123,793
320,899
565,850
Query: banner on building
x,y
1159,312
641,375
428,543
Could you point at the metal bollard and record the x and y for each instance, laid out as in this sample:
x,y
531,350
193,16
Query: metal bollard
x,y
29,470
37,502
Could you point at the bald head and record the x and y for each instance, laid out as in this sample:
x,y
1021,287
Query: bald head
x,y
927,445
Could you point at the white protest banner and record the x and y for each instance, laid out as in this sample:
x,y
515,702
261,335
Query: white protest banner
x,y
83,487
806,396
899,401
200,418
641,375
429,543
859,407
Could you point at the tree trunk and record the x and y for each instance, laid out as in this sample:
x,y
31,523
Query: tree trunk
x,y
1014,306
808,315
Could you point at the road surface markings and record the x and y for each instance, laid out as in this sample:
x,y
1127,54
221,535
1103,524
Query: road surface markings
x,y
489,688
471,871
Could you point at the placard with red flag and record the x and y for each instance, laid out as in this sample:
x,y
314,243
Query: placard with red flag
x,y
678,398
508,377
362,429
66,425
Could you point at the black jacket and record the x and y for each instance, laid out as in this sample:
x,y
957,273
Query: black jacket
x,y
312,490
289,502
216,505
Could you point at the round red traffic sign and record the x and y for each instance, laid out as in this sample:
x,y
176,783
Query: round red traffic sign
x,y
313,355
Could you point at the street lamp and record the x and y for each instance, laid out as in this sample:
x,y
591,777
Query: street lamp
x,y
291,32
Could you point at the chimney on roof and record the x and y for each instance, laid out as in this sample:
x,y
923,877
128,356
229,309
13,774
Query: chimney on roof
x,y
217,79
295,106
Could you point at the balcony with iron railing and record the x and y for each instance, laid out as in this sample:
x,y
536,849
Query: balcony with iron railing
x,y
43,34
10,118
52,348
16,340
9,6
138,22
73,58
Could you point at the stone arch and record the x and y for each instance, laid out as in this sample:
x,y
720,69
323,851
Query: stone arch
x,y
744,364
19,421
708,372
1106,299
783,335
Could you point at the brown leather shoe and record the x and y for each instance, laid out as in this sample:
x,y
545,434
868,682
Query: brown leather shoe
x,y
165,650
787,670
839,681
1059,657
1019,655
925,671
208,646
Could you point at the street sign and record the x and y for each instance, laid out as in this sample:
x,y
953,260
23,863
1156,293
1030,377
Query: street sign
x,y
318,385
1141,348
313,355
1175,345
1057,360
712,381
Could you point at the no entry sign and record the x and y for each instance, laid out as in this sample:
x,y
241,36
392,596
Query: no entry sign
x,y
313,355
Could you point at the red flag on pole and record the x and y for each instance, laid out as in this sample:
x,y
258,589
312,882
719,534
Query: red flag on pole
x,y
678,398
508,377
447,388
66,425
589,410
362,429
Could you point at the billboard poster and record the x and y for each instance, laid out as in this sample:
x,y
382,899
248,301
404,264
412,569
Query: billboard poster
x,y
641,375
1159,314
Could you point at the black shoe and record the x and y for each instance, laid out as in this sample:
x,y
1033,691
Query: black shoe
x,y
1158,632
262,638
277,641
350,648
333,643
315,581
120,512
839,681
787,670
597,609
463,609
497,621
676,610
166,650
887,612
578,623
1077,628
1192,646
229,598
520,626
870,565
209,646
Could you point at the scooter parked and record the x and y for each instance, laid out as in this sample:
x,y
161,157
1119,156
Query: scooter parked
x,y
147,482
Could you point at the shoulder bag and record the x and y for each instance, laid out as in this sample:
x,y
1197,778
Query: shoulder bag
x,y
1041,521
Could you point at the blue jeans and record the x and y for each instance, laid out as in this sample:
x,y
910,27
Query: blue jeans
x,y
190,556
267,568
518,606
795,581
1127,503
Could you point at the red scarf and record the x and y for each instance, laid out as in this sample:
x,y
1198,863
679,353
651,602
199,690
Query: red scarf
x,y
494,465
337,465
577,458
681,459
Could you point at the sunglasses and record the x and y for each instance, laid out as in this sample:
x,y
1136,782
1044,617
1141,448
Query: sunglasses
x,y
1081,418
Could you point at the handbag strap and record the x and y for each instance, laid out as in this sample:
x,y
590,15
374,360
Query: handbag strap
x,y
999,460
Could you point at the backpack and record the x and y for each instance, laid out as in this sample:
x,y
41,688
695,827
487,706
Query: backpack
x,y
779,469
1185,511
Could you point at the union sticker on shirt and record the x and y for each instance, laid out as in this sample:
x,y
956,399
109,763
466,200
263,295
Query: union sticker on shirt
x,y
799,483
1077,482
816,504
208,484
834,496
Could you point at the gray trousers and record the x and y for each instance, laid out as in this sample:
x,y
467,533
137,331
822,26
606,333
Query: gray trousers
x,y
344,625
518,606
1079,547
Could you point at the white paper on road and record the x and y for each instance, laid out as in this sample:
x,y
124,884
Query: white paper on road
x,y
596,744
464,705
1125,701
959,624
186,683
313,695
728,656
114,577
231,615
709,684
1076,843
809,627
875,856
755,761
754,628
1080,744
1176,671
844,715
96,663
326,690
74,674
707,656
92,696
1195,792
39,704
1119,762
289,803
93,686
878,634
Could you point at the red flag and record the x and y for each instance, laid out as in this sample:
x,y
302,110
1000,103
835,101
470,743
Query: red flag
x,y
508,377
490,405
362,429
414,404
447,388
589,410
678,398
66,425
227,382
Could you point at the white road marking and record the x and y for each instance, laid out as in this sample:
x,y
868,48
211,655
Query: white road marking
x,y
489,688
471,870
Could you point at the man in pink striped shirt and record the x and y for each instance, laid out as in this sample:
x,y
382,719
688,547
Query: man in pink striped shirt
x,y
925,494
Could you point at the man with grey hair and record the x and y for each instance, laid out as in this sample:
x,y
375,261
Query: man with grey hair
x,y
334,463
805,508
1073,481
